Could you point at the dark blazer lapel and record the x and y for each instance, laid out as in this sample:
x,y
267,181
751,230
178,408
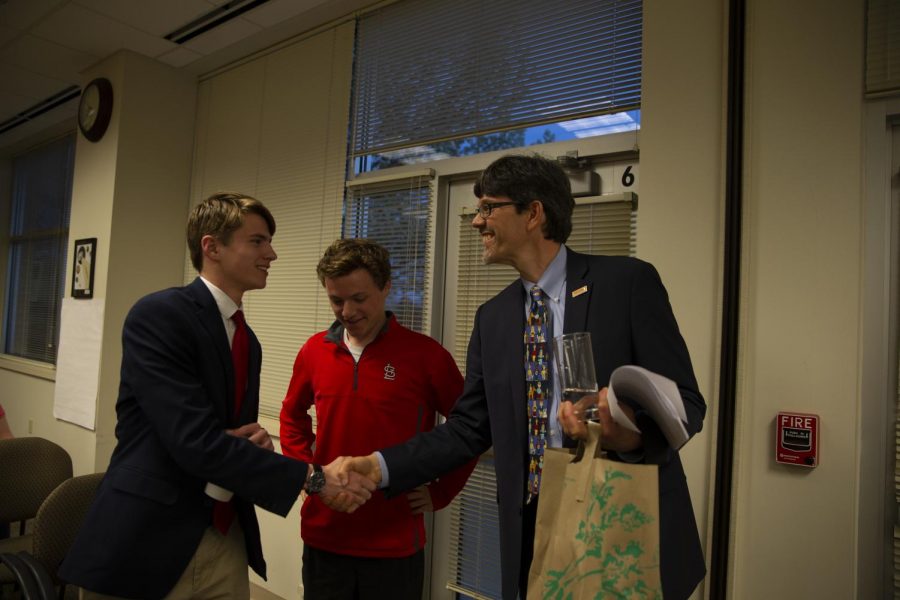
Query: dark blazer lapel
x,y
578,292
211,319
511,324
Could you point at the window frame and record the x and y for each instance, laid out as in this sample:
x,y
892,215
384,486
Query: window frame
x,y
57,134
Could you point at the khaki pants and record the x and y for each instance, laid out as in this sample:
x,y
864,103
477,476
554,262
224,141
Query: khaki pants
x,y
217,571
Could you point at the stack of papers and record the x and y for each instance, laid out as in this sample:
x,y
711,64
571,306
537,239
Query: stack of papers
x,y
657,395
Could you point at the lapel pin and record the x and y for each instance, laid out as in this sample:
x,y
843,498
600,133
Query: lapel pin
x,y
579,291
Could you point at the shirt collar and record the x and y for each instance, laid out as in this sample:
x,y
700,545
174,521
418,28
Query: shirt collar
x,y
553,281
335,333
226,305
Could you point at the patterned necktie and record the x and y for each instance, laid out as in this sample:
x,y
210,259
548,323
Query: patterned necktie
x,y
537,384
223,512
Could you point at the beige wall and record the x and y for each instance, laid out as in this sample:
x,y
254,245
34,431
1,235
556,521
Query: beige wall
x,y
680,214
130,192
801,298
796,532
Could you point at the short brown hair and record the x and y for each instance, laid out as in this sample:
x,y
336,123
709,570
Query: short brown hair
x,y
347,255
524,178
220,215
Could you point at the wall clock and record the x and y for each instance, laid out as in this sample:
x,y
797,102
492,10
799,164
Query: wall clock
x,y
95,108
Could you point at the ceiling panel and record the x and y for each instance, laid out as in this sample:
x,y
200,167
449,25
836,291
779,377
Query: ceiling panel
x,y
27,83
75,27
274,12
222,36
159,17
22,14
7,34
48,59
179,57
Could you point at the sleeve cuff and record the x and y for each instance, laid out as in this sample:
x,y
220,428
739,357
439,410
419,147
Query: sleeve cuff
x,y
385,478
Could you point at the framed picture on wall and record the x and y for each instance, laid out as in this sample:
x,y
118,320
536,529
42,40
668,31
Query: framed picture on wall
x,y
83,268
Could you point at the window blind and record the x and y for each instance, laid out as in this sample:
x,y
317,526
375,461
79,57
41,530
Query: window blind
x,y
600,225
474,548
882,47
429,70
39,233
897,492
275,128
397,214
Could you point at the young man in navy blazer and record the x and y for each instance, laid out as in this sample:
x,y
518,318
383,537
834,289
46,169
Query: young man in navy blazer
x,y
524,217
185,435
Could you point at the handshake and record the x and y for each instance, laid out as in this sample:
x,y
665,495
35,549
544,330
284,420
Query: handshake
x,y
350,481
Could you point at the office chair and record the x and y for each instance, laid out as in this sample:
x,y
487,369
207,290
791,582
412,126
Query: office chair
x,y
59,520
55,527
30,469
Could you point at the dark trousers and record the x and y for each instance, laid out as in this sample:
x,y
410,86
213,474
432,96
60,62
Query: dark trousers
x,y
329,576
529,518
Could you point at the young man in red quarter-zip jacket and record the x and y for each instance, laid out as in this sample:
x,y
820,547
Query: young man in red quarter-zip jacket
x,y
373,383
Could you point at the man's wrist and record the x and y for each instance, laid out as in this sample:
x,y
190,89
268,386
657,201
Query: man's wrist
x,y
382,467
315,479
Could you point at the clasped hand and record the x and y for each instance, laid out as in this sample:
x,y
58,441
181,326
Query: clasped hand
x,y
612,436
349,482
345,489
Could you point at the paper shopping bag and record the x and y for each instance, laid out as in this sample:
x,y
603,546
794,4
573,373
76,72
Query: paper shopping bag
x,y
597,529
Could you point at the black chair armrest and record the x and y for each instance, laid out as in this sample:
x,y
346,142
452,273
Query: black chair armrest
x,y
42,578
23,576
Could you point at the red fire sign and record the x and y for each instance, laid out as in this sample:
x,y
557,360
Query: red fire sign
x,y
797,439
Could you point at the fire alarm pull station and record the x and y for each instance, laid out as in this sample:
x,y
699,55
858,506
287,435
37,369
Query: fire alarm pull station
x,y
797,439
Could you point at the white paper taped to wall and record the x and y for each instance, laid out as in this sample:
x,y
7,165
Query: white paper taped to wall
x,y
78,361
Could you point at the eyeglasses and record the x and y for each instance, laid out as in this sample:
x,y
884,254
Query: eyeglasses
x,y
484,210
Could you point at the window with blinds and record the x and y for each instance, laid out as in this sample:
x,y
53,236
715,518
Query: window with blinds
x,y
397,214
431,71
882,47
600,225
275,128
39,233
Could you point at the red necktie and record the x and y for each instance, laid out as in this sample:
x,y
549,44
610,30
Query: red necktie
x,y
240,357
223,512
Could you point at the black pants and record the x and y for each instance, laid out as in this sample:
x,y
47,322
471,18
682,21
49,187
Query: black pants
x,y
329,576
529,518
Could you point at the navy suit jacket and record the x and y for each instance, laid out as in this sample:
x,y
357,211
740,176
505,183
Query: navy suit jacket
x,y
626,309
176,398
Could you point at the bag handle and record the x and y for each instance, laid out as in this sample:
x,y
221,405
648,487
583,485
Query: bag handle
x,y
583,470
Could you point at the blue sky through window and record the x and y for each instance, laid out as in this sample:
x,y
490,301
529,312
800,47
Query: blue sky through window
x,y
529,136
